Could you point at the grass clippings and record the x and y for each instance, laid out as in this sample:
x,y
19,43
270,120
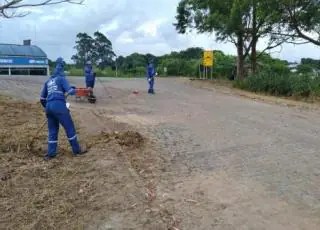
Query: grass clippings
x,y
88,192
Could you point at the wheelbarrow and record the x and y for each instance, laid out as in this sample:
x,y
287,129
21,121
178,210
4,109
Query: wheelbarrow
x,y
82,93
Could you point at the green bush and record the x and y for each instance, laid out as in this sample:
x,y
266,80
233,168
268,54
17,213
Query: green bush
x,y
298,85
305,68
301,85
132,72
108,72
240,84
75,72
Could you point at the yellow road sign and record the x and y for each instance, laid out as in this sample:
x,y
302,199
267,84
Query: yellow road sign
x,y
208,58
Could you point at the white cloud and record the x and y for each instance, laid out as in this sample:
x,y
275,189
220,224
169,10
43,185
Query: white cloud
x,y
112,26
125,38
143,26
31,10
151,28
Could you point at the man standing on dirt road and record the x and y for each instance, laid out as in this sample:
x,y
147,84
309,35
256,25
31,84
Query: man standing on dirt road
x,y
151,73
52,98
90,76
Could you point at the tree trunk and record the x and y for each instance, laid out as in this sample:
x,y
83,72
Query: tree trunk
x,y
254,55
240,58
254,39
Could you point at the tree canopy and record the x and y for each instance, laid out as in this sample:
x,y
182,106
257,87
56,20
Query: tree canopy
x,y
183,63
245,22
97,49
298,19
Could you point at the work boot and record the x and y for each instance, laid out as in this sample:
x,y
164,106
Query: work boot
x,y
48,157
82,151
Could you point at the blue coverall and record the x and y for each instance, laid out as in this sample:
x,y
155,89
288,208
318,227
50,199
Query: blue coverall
x,y
53,100
151,74
89,75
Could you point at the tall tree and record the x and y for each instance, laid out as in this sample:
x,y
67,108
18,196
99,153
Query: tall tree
x,y
193,52
97,49
207,17
120,61
85,49
227,19
103,53
135,60
242,22
261,19
9,8
152,58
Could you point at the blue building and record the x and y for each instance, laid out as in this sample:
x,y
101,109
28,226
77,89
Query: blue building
x,y
23,59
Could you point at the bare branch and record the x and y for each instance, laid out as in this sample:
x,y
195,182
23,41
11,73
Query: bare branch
x,y
302,35
298,43
270,47
295,25
284,35
275,41
13,5
278,51
231,39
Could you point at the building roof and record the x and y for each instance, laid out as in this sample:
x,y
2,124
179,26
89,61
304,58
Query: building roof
x,y
21,50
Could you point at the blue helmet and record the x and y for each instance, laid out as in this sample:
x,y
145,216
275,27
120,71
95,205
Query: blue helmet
x,y
59,60
59,70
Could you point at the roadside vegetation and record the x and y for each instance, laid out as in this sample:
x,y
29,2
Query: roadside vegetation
x,y
241,23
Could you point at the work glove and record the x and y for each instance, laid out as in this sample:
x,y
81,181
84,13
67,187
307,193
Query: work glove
x,y
43,102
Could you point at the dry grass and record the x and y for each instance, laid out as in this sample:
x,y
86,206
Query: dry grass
x,y
67,192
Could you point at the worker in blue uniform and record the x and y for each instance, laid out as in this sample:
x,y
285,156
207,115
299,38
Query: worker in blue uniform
x,y
151,73
89,76
59,70
53,99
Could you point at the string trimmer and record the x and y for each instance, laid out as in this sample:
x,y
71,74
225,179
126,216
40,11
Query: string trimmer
x,y
36,136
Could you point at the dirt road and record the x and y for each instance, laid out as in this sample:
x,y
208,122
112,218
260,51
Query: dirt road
x,y
231,163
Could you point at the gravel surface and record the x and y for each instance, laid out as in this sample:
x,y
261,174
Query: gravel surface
x,y
236,163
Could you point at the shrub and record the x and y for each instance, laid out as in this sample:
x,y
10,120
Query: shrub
x,y
297,85
301,85
240,84
75,72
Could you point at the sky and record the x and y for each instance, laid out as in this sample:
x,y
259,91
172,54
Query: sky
x,y
143,26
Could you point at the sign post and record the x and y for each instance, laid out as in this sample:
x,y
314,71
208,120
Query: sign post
x,y
208,62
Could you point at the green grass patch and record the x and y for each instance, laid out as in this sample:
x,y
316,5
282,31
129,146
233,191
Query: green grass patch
x,y
296,85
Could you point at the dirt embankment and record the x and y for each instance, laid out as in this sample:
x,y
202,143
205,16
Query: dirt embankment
x,y
110,187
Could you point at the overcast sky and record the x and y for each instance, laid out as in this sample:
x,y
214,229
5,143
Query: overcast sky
x,y
143,26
